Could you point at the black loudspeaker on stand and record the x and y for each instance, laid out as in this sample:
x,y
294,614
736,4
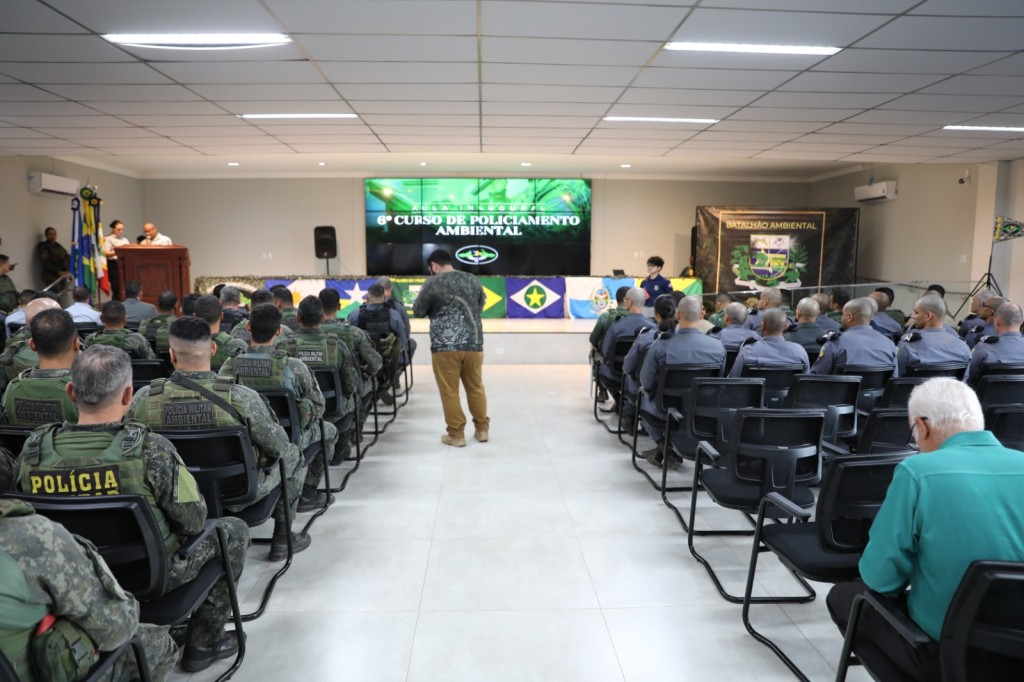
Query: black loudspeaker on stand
x,y
325,241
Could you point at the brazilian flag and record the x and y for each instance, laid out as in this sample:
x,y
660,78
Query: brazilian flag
x,y
494,290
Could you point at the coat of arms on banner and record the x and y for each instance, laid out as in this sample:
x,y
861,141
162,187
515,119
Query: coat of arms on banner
x,y
600,300
771,260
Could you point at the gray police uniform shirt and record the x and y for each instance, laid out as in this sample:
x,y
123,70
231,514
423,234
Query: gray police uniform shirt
x,y
733,335
884,324
807,335
684,347
924,347
754,320
635,357
828,324
136,311
1006,348
624,327
859,345
975,335
770,351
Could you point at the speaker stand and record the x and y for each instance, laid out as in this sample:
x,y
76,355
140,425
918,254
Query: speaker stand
x,y
327,264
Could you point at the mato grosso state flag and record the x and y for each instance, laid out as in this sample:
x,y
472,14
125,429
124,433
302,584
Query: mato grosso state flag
x,y
534,297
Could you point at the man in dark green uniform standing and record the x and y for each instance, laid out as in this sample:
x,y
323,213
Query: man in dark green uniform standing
x,y
54,260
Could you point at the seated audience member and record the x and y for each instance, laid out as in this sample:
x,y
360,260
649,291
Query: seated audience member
x,y
858,344
19,355
16,318
823,320
134,460
984,326
807,332
929,344
155,328
686,346
39,395
605,321
625,327
882,322
734,333
956,502
971,321
134,309
209,402
81,312
285,301
208,308
1006,346
665,316
114,334
837,301
188,304
234,312
771,350
770,298
262,366
384,326
897,315
51,573
717,318
399,307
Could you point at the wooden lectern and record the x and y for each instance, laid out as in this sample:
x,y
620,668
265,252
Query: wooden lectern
x,y
157,268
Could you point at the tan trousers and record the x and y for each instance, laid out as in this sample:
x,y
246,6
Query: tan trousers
x,y
451,367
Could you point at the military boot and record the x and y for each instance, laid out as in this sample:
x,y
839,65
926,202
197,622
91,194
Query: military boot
x,y
279,543
312,499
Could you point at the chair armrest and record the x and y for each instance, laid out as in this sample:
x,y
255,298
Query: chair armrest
x,y
675,415
834,450
190,544
708,450
787,505
901,622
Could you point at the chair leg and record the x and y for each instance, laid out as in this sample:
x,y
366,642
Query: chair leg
x,y
140,659
359,454
327,480
269,589
663,487
847,657
233,596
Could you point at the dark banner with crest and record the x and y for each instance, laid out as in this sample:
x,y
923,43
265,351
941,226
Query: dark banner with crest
x,y
743,248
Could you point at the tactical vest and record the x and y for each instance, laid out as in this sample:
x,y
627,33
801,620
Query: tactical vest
x,y
116,339
321,350
18,357
376,323
81,470
18,615
158,332
262,370
34,401
172,406
220,340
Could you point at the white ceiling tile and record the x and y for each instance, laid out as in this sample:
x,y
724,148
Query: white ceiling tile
x,y
125,93
824,100
577,133
356,138
712,136
30,16
617,152
827,148
153,151
859,82
637,143
454,140
287,107
66,121
135,108
821,156
668,136
1003,119
426,130
180,16
876,129
681,96
346,128
414,91
999,8
122,142
561,74
423,119
10,132
529,149
433,148
915,150
990,154
363,107
58,48
159,120
563,51
1000,86
711,79
83,73
911,117
734,61
947,33
832,138
400,72
883,157
544,108
770,126
725,144
512,141
1007,144
97,133
864,6
952,103
36,143
59,151
671,111
652,125
439,17
549,93
276,91
25,93
228,150
540,121
203,131
785,28
240,72
238,140
765,113
944,142
572,20
354,148
906,61
1010,66
383,48
697,153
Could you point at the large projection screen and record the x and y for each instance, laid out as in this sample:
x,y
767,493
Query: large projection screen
x,y
492,226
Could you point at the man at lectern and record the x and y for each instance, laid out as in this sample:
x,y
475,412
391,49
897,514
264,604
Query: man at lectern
x,y
153,236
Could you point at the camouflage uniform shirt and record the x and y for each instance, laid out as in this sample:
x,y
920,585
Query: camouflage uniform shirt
x,y
58,378
453,301
133,343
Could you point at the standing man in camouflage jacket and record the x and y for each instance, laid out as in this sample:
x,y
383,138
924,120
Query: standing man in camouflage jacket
x,y
453,301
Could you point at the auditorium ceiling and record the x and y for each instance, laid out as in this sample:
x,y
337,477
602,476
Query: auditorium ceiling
x,y
485,86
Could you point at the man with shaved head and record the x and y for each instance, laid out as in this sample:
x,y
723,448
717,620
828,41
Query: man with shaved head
x,y
808,332
984,324
858,344
1006,346
824,302
929,344
772,350
770,298
734,331
626,327
972,321
881,321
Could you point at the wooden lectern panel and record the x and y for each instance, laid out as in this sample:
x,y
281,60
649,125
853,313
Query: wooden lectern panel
x,y
157,268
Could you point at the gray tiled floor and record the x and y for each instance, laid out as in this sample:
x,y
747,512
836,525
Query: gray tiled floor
x,y
541,555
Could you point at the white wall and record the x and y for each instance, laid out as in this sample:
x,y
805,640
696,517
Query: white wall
x,y
24,216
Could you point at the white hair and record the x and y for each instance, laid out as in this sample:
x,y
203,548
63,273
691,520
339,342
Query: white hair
x,y
949,406
736,312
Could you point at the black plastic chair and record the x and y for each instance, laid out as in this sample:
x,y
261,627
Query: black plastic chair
x,y
996,368
731,352
885,431
1006,422
13,437
329,380
102,667
982,635
938,369
778,379
767,451
827,549
834,393
1000,389
614,384
223,462
872,382
144,371
126,534
897,391
86,329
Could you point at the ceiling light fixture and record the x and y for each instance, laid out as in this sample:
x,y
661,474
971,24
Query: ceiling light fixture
x,y
998,129
754,49
659,119
322,163
423,163
198,41
232,163
257,116
626,165
526,164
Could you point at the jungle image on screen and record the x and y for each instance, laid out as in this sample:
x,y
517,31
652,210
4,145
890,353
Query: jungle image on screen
x,y
492,226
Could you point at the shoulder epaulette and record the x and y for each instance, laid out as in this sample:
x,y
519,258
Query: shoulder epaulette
x,y
644,330
832,336
749,340
665,335
714,330
990,339
911,337
976,330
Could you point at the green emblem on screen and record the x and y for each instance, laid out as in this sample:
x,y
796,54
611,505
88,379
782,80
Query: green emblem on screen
x,y
476,255
769,260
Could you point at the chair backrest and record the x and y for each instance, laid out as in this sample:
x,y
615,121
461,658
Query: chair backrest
x,y
776,448
1001,368
124,531
674,383
897,391
1000,389
872,382
851,495
285,408
329,380
145,370
777,380
222,461
731,352
1006,422
13,437
887,429
619,351
713,401
938,369
983,632
836,393
86,329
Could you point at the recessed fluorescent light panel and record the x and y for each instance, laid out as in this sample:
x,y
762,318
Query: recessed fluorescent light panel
x,y
260,116
198,41
998,129
754,49
660,119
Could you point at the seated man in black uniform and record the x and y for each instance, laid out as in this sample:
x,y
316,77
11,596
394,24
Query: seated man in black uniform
x,y
231,302
155,328
384,327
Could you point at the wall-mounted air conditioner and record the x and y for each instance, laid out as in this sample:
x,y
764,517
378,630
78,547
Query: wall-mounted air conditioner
x,y
45,183
875,192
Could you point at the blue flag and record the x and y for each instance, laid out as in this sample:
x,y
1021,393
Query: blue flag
x,y
535,297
